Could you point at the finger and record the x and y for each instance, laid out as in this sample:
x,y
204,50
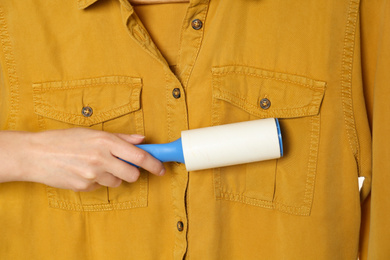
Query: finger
x,y
122,170
144,160
86,187
137,156
133,139
109,180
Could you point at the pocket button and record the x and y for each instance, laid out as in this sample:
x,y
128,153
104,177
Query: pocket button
x,y
265,103
87,111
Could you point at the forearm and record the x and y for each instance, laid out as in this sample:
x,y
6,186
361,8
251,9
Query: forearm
x,y
14,146
78,158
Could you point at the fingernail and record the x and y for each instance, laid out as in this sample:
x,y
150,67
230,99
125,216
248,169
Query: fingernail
x,y
162,172
138,136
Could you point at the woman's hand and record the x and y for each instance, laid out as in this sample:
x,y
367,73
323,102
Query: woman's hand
x,y
78,159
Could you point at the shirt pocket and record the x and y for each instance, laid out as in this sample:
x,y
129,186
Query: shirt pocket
x,y
243,93
111,104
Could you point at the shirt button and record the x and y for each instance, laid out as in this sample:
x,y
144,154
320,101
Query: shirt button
x,y
176,93
197,24
87,111
265,103
180,226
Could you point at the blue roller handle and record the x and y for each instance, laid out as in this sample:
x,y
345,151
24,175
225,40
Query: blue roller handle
x,y
169,152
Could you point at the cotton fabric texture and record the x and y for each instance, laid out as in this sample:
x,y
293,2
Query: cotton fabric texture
x,y
322,65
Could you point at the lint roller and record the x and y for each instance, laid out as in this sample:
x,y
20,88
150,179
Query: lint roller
x,y
223,145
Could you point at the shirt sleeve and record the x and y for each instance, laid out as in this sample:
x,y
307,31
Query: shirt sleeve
x,y
375,42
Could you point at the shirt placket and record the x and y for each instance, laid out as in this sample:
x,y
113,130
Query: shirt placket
x,y
190,44
175,85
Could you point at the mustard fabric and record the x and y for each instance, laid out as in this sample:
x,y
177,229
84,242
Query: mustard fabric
x,y
322,64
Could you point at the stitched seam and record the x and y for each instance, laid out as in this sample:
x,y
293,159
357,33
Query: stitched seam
x,y
302,211
267,74
346,78
293,210
247,200
41,122
36,102
65,205
53,88
11,71
101,80
54,202
57,86
142,192
139,118
312,162
220,70
215,120
275,78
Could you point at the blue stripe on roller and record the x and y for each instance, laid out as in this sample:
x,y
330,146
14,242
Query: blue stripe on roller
x,y
280,137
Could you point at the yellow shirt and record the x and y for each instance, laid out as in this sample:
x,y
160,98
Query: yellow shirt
x,y
321,64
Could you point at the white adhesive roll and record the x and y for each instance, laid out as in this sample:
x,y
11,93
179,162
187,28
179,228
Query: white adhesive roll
x,y
231,144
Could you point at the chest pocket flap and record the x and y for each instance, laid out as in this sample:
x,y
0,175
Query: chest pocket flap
x,y
87,102
288,95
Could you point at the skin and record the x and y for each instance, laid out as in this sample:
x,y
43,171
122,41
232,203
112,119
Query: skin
x,y
77,159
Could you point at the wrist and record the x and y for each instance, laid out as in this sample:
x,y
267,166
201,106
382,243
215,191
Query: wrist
x,y
13,156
